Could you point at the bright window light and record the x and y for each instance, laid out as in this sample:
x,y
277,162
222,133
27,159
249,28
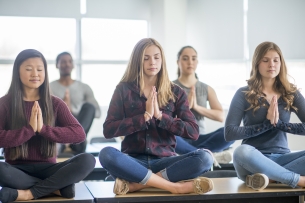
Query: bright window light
x,y
103,79
110,39
83,6
50,36
224,78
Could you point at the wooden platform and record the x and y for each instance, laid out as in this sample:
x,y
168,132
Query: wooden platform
x,y
226,190
82,195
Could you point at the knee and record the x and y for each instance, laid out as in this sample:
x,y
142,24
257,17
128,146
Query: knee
x,y
4,167
205,157
106,156
86,160
243,153
89,107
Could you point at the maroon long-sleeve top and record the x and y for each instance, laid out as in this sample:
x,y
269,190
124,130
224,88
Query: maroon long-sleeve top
x,y
66,130
126,118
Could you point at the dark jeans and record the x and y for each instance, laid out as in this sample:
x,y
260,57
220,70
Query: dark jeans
x,y
85,118
44,178
214,141
139,168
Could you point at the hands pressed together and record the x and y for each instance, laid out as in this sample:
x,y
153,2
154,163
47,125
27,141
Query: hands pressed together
x,y
152,106
273,112
36,120
66,99
192,98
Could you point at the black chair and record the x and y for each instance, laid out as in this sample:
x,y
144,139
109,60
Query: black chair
x,y
220,174
101,140
109,178
209,174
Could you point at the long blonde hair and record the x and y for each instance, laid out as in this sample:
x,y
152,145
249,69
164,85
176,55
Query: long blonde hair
x,y
135,73
281,84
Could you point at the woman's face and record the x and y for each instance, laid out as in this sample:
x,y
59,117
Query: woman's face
x,y
32,73
152,61
187,61
270,65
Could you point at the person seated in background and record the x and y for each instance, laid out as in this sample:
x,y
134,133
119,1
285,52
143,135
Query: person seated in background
x,y
265,106
32,122
78,96
149,110
199,94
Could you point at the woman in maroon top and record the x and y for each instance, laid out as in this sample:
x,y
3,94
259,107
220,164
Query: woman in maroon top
x,y
149,110
32,122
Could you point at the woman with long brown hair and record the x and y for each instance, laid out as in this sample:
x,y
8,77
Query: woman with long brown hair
x,y
149,110
265,106
32,122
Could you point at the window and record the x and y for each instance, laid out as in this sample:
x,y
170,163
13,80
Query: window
x,y
224,78
296,70
6,72
109,39
50,36
103,79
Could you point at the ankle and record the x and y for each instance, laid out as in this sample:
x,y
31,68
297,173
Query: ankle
x,y
184,188
301,182
25,195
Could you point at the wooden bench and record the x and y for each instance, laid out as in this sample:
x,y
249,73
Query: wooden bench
x,y
226,190
82,195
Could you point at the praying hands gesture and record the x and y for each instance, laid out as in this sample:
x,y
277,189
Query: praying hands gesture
x,y
192,99
66,99
36,120
273,113
152,106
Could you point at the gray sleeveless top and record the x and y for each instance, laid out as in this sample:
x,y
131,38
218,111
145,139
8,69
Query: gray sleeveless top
x,y
202,97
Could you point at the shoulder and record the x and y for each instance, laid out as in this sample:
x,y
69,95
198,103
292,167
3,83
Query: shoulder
x,y
177,90
81,84
201,84
127,86
5,101
57,102
298,95
176,81
241,92
54,83
243,89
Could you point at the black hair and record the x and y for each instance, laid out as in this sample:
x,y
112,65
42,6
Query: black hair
x,y
60,55
179,54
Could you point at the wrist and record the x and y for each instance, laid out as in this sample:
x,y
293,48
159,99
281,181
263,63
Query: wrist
x,y
147,116
159,116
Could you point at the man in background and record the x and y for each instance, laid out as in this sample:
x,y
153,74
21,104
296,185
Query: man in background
x,y
79,98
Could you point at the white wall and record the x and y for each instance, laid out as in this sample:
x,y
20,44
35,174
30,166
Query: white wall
x,y
215,29
279,21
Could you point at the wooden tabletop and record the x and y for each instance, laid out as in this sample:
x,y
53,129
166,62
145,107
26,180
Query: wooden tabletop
x,y
82,195
224,188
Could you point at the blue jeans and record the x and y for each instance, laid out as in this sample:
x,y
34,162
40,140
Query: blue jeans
x,y
214,141
284,168
139,168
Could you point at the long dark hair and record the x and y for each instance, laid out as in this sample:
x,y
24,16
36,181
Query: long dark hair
x,y
178,57
18,118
